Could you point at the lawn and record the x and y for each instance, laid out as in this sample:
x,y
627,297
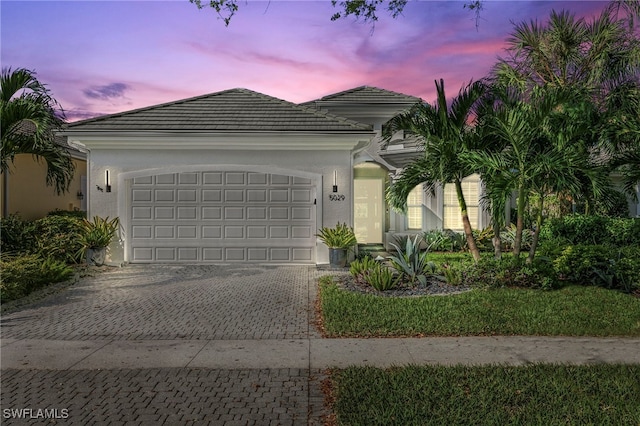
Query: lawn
x,y
490,395
570,311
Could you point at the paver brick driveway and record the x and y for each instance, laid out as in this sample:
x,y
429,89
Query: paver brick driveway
x,y
156,302
150,303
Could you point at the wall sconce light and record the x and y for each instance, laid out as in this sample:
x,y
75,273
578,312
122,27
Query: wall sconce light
x,y
335,181
80,195
107,181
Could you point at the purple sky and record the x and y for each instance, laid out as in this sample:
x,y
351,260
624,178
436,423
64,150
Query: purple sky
x,y
102,57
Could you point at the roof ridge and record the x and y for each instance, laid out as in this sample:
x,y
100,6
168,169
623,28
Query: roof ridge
x,y
313,111
248,100
360,88
146,108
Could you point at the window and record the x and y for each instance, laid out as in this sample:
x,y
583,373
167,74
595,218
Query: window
x,y
414,208
452,219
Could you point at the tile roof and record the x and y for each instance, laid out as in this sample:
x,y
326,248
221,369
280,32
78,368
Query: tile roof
x,y
229,110
366,95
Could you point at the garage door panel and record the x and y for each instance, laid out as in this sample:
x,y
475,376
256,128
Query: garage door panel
x,y
211,195
257,178
212,178
165,179
222,217
164,195
163,213
187,195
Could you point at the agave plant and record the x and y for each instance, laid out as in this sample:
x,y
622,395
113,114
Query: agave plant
x,y
411,262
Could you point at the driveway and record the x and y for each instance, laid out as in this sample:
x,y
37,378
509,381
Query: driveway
x,y
154,302
152,344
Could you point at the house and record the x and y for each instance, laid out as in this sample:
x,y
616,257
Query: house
x,y
240,176
25,192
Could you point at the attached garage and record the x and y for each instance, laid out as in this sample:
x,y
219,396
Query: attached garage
x,y
233,176
222,216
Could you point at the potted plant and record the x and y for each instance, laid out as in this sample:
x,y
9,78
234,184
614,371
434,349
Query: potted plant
x,y
339,240
96,236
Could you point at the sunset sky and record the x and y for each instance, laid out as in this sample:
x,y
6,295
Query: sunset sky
x,y
101,57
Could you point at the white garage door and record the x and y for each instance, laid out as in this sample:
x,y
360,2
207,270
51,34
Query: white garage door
x,y
224,216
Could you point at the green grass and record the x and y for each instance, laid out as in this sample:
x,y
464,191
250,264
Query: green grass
x,y
570,311
490,395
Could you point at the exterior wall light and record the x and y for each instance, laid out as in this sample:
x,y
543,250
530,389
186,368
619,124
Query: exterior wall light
x,y
107,181
335,181
80,195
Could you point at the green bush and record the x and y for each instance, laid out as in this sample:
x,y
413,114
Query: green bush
x,y
58,237
380,277
453,273
78,214
601,265
511,272
581,229
508,237
23,274
442,240
16,235
359,267
483,238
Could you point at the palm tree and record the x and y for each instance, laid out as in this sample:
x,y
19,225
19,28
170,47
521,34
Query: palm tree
x,y
446,132
542,150
29,118
598,58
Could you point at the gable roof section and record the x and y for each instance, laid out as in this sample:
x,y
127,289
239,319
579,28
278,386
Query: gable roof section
x,y
229,110
365,95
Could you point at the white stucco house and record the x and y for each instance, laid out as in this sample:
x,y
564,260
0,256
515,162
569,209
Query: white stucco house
x,y
239,176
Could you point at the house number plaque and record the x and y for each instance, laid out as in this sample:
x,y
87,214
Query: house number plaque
x,y
336,197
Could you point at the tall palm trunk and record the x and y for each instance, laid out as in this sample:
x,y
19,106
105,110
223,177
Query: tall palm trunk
x,y
536,234
496,224
522,203
468,232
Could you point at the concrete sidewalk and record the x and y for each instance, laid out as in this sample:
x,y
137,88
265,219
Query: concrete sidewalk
x,y
34,354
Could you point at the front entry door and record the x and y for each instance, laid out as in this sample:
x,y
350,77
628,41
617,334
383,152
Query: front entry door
x,y
368,210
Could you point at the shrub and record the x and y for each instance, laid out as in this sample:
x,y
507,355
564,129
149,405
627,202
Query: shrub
x,y
78,214
623,232
453,274
581,229
359,267
411,262
442,240
511,272
58,237
484,238
23,274
436,239
508,237
600,265
16,235
380,277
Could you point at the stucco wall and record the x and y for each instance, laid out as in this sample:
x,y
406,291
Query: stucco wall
x,y
28,194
